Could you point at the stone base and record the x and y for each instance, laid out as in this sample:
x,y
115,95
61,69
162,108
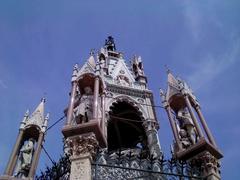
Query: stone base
x,y
84,128
213,176
81,167
201,146
5,177
210,165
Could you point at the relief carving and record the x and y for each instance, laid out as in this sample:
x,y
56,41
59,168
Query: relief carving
x,y
82,144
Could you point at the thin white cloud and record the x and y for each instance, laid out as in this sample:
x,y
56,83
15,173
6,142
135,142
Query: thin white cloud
x,y
209,67
193,18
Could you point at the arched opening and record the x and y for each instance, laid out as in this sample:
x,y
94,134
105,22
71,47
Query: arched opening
x,y
87,80
125,129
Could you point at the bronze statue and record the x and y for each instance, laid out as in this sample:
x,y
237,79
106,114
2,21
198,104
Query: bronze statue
x,y
109,43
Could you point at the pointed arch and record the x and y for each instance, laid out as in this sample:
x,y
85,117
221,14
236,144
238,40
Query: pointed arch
x,y
125,124
130,100
87,79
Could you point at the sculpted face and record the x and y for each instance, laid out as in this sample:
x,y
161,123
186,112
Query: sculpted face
x,y
88,90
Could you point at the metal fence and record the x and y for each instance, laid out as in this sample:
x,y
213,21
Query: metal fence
x,y
122,165
126,165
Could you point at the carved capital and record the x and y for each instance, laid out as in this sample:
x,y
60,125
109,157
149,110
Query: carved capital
x,y
81,145
150,125
210,165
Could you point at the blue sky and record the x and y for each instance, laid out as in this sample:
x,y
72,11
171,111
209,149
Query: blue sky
x,y
40,41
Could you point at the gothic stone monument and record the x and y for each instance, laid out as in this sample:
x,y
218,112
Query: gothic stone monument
x,y
110,110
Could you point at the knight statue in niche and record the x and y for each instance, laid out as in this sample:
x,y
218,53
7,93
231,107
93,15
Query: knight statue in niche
x,y
25,159
84,111
137,66
187,131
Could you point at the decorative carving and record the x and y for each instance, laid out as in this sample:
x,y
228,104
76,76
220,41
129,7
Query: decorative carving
x,y
122,80
129,91
137,66
150,125
153,142
186,90
209,164
25,159
82,144
140,100
122,72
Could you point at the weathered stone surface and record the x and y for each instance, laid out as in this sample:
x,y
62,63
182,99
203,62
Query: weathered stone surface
x,y
81,168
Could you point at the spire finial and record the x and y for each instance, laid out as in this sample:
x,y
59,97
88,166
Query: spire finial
x,y
167,69
92,52
43,99
27,113
75,67
161,92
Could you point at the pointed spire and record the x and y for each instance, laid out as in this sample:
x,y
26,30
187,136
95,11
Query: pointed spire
x,y
172,81
173,85
40,107
37,117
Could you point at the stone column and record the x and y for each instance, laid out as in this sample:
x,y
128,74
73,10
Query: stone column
x,y
13,158
36,156
152,137
205,126
95,98
103,113
71,103
83,149
199,131
174,128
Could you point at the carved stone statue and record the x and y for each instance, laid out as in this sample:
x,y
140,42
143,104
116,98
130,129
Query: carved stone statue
x,y
84,111
184,138
137,66
25,159
186,125
122,80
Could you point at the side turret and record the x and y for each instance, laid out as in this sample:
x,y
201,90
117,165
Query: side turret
x,y
26,152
